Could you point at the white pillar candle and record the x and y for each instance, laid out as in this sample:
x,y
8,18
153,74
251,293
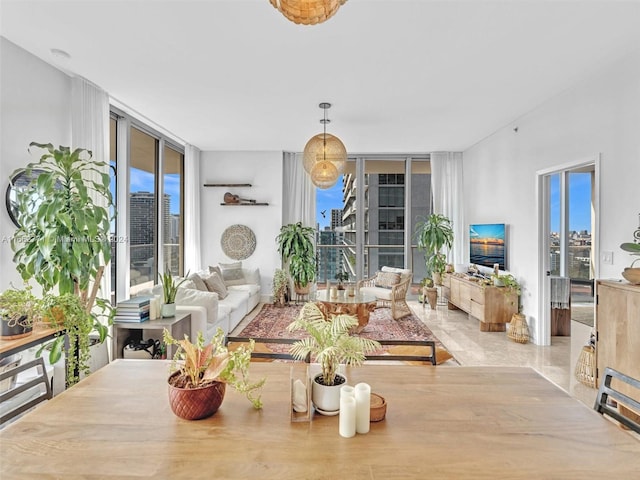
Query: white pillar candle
x,y
347,422
347,391
363,405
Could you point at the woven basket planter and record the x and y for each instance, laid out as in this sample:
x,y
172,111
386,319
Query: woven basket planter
x,y
518,330
586,367
308,12
195,403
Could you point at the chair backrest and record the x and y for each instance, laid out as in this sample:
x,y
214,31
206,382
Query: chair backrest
x,y
24,396
606,393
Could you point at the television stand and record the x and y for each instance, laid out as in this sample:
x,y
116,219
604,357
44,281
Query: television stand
x,y
492,306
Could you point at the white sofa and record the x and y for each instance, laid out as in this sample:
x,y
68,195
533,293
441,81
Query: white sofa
x,y
209,311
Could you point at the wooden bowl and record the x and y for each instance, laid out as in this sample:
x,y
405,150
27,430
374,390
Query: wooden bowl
x,y
378,408
632,275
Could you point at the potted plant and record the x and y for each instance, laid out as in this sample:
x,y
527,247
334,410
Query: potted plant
x,y
169,291
18,312
632,274
432,235
341,276
64,242
200,373
280,281
296,248
518,330
329,344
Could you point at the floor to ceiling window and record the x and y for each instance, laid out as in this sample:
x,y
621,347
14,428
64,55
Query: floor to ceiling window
x,y
150,171
391,196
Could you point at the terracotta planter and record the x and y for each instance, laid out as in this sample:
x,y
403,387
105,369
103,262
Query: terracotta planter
x,y
195,403
12,330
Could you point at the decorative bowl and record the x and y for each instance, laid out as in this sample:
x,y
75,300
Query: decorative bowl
x,y
378,408
632,275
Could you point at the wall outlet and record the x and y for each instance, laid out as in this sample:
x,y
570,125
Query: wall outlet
x,y
607,258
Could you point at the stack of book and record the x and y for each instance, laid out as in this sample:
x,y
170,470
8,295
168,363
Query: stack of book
x,y
135,309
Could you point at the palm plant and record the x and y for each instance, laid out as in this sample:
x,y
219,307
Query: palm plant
x,y
329,342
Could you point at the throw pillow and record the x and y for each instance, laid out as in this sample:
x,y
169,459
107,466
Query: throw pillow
x,y
232,273
198,282
215,269
387,279
208,300
215,284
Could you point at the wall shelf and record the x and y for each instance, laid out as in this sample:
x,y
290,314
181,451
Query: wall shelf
x,y
227,184
255,204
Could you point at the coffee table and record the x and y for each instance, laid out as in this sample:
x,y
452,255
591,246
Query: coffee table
x,y
360,305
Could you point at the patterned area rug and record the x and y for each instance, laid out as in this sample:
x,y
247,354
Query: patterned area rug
x,y
272,322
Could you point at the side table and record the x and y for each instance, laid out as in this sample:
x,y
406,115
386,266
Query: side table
x,y
178,326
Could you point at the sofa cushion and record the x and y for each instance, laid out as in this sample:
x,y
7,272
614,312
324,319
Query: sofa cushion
x,y
379,292
404,272
215,284
252,275
191,296
232,273
198,282
386,279
251,289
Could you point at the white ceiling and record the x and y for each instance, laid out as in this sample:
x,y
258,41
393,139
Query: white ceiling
x,y
403,76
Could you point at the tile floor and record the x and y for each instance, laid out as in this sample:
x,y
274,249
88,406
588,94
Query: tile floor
x,y
462,336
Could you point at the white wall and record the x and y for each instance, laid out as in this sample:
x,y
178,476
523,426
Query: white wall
x,y
35,99
263,170
601,115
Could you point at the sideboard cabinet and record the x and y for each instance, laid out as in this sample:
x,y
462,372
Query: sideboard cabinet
x,y
493,306
618,329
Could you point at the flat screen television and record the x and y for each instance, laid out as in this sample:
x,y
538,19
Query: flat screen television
x,y
488,244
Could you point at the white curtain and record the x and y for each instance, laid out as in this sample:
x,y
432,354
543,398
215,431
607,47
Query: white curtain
x,y
191,208
90,130
447,187
299,193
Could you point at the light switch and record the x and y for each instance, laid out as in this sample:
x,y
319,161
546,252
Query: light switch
x,y
607,257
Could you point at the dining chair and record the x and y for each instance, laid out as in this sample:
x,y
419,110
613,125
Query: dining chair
x,y
606,393
24,396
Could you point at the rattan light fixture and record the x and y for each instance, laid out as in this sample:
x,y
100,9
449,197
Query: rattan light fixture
x,y
325,156
308,12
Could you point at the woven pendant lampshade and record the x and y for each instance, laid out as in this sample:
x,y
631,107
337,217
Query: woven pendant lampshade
x,y
308,12
324,174
324,156
325,146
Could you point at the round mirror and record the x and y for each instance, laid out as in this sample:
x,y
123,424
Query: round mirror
x,y
18,182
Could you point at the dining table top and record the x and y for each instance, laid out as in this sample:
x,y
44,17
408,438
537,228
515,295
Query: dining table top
x,y
441,422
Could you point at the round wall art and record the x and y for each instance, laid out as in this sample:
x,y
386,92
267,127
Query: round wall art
x,y
238,242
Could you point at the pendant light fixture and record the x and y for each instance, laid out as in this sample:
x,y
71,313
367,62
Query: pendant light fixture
x,y
324,156
307,12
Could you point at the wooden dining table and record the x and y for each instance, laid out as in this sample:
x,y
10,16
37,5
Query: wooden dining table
x,y
441,422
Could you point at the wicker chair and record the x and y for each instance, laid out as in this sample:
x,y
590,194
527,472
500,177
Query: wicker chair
x,y
393,296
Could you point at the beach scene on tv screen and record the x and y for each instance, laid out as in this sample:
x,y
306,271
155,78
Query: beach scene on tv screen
x,y
487,244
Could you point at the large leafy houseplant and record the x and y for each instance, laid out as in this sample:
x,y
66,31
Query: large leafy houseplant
x,y
196,365
433,235
297,251
63,241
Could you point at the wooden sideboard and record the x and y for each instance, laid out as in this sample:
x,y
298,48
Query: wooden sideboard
x,y
618,329
493,306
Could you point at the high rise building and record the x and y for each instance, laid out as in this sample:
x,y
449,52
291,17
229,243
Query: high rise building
x,y
336,218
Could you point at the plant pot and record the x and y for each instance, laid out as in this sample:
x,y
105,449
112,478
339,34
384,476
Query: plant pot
x,y
300,290
326,398
195,403
632,275
518,330
168,310
12,330
431,293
